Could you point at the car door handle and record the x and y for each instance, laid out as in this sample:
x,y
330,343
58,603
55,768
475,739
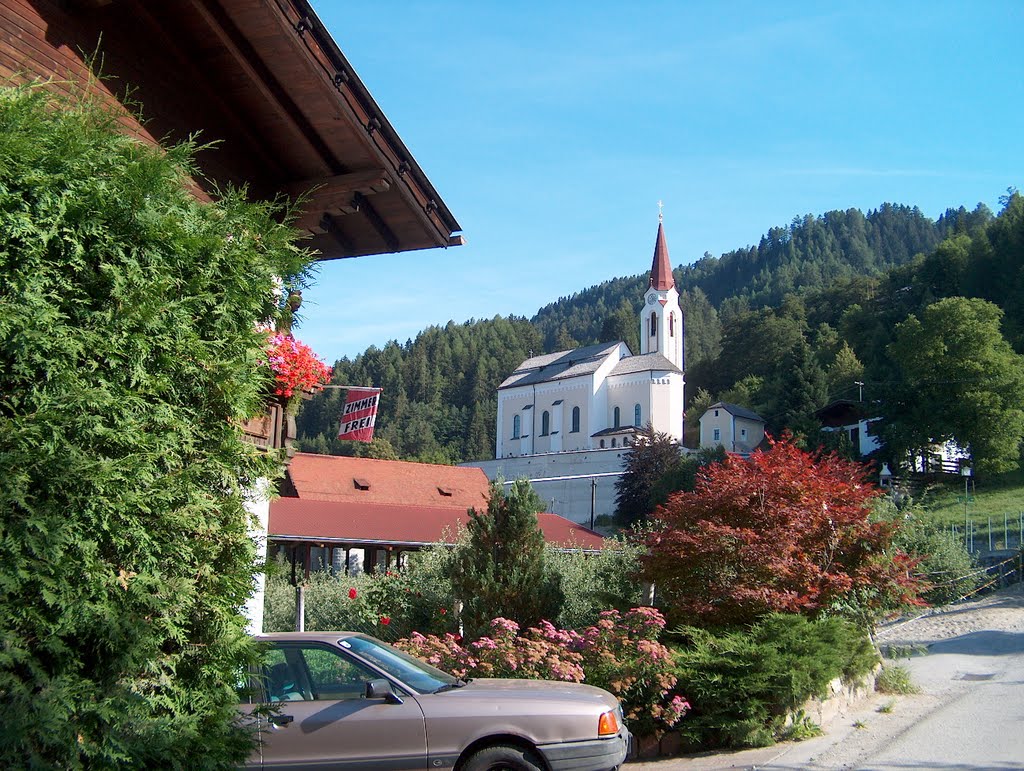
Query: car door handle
x,y
281,719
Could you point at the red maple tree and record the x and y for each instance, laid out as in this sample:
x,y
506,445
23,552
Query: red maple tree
x,y
781,531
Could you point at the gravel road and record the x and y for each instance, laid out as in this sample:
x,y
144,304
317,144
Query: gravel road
x,y
968,715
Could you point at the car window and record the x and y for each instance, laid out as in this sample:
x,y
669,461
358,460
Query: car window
x,y
281,677
417,674
334,676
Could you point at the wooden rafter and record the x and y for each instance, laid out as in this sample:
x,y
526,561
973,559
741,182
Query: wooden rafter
x,y
334,195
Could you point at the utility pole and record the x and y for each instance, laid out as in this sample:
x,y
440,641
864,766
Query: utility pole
x,y
860,389
593,500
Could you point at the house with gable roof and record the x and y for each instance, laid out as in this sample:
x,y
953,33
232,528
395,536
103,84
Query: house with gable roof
x,y
731,426
353,515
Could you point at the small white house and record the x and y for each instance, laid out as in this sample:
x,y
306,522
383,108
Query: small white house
x,y
735,428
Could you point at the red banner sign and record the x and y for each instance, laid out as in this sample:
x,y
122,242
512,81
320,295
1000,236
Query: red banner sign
x,y
360,414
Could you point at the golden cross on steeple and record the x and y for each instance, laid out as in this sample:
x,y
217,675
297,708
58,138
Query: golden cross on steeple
x,y
661,216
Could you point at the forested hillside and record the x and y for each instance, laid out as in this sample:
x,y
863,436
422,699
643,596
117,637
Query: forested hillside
x,y
781,327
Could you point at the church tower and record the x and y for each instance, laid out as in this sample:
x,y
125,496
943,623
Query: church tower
x,y
661,320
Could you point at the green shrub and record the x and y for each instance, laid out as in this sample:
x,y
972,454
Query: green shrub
x,y
945,561
743,683
388,605
130,352
593,583
499,569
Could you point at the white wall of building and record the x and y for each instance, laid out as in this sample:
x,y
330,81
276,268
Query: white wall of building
x,y
569,498
258,505
735,434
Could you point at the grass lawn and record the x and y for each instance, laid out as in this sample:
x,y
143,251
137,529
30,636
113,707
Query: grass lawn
x,y
998,498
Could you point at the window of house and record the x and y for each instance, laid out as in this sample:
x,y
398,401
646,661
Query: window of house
x,y
716,413
654,324
517,426
545,423
615,418
636,415
718,434
743,433
575,419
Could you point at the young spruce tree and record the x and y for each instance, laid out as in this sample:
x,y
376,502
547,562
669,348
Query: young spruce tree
x,y
129,354
500,570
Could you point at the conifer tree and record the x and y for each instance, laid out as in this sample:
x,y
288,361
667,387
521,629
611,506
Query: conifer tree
x,y
653,455
500,570
129,355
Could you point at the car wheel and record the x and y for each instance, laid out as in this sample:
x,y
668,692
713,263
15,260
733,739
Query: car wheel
x,y
503,757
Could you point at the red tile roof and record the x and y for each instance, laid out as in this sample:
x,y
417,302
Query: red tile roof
x,y
380,523
392,482
364,500
661,268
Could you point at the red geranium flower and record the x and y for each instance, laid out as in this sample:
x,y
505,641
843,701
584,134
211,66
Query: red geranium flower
x,y
295,366
385,620
352,593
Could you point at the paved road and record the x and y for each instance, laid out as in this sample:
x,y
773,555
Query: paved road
x,y
969,714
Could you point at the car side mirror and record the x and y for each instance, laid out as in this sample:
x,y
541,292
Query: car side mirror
x,y
382,689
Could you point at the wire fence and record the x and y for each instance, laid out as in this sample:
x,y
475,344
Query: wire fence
x,y
981,535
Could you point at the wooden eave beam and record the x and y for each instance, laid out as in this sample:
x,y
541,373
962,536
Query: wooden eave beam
x,y
263,79
201,82
317,48
334,195
363,204
329,224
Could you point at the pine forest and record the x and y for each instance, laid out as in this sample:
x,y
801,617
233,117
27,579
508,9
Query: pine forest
x,y
809,315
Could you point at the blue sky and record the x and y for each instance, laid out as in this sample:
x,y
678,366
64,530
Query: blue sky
x,y
552,129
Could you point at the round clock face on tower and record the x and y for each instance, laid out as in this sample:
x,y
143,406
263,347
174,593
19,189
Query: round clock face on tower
x,y
652,299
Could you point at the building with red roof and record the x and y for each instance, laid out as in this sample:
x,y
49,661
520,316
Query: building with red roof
x,y
353,514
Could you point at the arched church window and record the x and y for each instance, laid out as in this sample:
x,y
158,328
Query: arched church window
x,y
575,419
613,441
615,418
602,444
517,426
636,415
654,324
545,423
672,324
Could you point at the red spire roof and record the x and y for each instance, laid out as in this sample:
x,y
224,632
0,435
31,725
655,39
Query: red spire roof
x,y
661,269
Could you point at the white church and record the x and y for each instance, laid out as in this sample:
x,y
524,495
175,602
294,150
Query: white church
x,y
566,419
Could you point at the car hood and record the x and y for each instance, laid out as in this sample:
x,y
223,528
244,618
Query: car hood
x,y
542,690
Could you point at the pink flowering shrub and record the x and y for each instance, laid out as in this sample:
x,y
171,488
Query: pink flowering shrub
x,y
294,365
620,654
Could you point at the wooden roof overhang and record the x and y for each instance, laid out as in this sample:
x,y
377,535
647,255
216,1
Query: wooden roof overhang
x,y
266,82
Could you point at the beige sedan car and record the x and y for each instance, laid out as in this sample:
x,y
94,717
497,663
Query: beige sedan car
x,y
347,700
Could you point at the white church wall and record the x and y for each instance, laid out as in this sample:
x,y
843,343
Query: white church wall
x,y
667,404
569,498
530,404
625,392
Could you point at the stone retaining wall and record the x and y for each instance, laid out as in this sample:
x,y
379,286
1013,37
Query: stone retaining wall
x,y
840,699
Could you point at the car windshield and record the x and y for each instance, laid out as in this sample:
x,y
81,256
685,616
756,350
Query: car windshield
x,y
419,676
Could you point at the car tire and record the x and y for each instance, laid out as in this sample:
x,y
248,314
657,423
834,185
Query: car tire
x,y
504,757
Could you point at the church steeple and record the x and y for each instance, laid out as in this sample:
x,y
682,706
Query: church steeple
x,y
661,269
661,322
